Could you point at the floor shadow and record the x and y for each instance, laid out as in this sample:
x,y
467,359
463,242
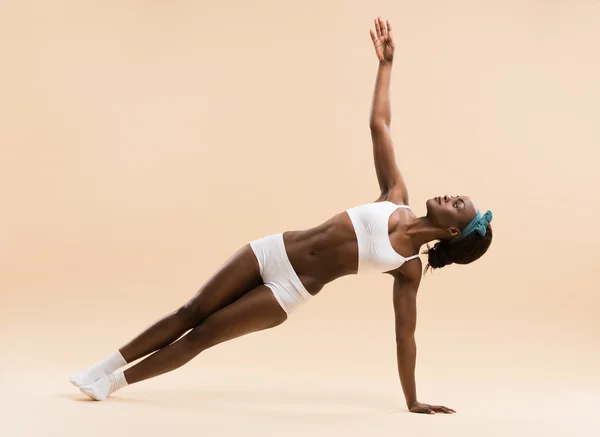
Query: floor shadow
x,y
319,406
76,397
80,397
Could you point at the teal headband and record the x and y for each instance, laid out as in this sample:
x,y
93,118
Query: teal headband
x,y
478,224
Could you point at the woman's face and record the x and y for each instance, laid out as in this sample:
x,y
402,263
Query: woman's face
x,y
452,213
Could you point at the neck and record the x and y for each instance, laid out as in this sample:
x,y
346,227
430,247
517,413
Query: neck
x,y
421,231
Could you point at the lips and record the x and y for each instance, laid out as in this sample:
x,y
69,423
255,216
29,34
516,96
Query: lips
x,y
439,200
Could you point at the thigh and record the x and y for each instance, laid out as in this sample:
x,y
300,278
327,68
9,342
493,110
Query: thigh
x,y
255,311
238,275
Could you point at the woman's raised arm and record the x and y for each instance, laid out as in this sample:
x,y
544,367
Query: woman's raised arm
x,y
390,178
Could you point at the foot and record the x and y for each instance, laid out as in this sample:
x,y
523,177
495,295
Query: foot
x,y
104,386
104,368
87,377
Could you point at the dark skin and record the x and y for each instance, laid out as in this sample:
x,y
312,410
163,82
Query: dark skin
x,y
235,302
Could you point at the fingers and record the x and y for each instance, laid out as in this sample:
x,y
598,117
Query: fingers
x,y
382,26
377,28
373,36
432,409
383,29
442,409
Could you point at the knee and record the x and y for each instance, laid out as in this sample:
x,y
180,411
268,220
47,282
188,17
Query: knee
x,y
188,317
200,338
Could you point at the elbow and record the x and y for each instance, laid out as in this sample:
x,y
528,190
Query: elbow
x,y
405,335
378,124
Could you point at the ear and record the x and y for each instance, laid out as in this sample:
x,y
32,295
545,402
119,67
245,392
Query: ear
x,y
453,231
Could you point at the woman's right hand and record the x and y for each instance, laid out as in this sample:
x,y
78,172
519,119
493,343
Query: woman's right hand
x,y
418,407
382,40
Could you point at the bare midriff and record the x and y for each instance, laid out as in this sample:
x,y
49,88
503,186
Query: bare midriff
x,y
323,253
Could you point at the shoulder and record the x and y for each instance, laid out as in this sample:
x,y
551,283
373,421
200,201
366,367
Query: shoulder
x,y
394,195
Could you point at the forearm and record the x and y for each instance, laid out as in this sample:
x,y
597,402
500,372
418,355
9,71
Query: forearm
x,y
406,350
381,112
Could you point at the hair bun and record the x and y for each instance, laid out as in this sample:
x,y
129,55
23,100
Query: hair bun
x,y
464,251
438,256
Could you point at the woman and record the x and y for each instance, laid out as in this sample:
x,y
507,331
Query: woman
x,y
267,280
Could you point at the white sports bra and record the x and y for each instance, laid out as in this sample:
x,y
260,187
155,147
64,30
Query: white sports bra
x,y
375,251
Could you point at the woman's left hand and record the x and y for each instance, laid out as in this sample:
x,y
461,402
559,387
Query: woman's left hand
x,y
382,40
419,407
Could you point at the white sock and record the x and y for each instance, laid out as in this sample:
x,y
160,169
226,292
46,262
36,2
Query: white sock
x,y
103,387
105,367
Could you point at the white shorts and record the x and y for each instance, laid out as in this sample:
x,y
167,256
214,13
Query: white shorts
x,y
278,274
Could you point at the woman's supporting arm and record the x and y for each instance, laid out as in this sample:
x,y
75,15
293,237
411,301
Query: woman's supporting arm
x,y
405,310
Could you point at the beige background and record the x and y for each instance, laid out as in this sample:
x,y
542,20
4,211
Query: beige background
x,y
144,141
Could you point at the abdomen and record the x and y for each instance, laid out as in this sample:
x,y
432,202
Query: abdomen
x,y
324,253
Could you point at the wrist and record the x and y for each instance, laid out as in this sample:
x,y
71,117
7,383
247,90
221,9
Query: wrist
x,y
411,403
386,62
